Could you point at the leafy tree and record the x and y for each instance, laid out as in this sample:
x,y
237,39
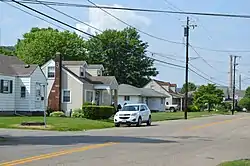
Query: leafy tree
x,y
247,93
208,94
191,87
5,51
40,45
245,103
123,55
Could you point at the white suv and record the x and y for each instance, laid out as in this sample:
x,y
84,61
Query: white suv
x,y
133,114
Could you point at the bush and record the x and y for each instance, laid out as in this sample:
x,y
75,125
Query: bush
x,y
57,114
97,112
49,111
245,103
193,108
88,103
78,115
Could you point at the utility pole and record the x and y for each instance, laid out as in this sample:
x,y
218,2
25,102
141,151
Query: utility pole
x,y
240,82
234,68
230,76
186,34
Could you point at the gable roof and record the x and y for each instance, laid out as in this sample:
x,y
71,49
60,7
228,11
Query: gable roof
x,y
74,62
129,90
95,66
12,66
162,83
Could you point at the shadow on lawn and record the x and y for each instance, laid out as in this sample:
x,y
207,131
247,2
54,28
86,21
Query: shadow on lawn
x,y
71,140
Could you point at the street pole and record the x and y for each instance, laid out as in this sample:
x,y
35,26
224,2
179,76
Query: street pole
x,y
186,75
234,85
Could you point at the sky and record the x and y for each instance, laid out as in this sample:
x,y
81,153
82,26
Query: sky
x,y
217,33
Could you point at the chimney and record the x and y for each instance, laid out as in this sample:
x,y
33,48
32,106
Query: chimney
x,y
54,100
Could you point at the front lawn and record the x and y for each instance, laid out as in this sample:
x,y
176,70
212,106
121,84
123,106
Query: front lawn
x,y
55,123
236,163
161,116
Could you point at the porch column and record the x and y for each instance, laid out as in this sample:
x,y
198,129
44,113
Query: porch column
x,y
181,104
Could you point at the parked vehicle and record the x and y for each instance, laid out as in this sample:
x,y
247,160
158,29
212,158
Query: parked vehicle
x,y
172,107
133,114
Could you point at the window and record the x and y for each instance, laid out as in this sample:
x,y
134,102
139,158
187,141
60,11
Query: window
x,y
51,72
99,73
66,96
82,72
89,96
23,92
126,98
38,90
6,86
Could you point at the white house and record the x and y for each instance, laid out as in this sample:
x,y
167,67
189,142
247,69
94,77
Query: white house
x,y
169,90
70,84
22,87
131,95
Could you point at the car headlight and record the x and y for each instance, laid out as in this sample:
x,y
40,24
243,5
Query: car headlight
x,y
134,114
116,114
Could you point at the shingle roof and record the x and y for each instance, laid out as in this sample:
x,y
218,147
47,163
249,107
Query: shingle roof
x,y
103,79
12,66
73,62
129,90
95,66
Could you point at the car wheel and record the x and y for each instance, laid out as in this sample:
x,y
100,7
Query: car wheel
x,y
117,124
172,109
139,122
128,125
149,121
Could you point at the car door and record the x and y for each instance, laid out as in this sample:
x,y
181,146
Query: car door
x,y
143,112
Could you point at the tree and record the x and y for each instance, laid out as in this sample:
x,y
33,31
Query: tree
x,y
5,51
191,87
245,103
40,45
123,55
247,93
208,94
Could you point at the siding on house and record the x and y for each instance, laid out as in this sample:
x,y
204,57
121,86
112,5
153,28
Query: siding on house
x,y
76,91
94,72
23,104
156,104
132,100
7,101
37,77
153,85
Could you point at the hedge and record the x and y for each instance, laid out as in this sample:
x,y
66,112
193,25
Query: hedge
x,y
97,112
57,114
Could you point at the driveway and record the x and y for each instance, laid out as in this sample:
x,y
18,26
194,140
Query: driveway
x,y
202,141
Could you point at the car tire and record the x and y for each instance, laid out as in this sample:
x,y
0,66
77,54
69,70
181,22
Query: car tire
x,y
172,109
139,122
117,124
149,121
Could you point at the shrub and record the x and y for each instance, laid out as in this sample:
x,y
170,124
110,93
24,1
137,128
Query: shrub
x,y
57,114
245,103
97,112
49,111
88,103
193,108
78,115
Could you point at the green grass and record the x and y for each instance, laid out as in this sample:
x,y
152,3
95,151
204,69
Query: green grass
x,y
161,116
236,163
55,123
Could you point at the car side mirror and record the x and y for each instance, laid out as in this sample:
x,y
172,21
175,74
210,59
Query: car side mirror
x,y
142,109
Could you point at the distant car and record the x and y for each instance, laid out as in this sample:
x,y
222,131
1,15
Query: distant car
x,y
133,114
172,107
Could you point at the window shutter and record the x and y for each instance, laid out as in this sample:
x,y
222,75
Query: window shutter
x,y
1,86
11,86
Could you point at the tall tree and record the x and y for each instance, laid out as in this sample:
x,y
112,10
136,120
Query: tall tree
x,y
123,55
40,45
208,94
191,87
247,93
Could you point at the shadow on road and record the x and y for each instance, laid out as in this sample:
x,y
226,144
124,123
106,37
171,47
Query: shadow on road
x,y
71,140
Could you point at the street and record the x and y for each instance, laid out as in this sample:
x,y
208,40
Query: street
x,y
204,141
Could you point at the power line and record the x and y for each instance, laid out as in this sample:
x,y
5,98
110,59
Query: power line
x,y
141,9
150,35
171,64
36,16
146,10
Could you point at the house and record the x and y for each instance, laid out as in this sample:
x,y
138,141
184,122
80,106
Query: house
x,y
22,87
130,95
170,90
77,85
239,94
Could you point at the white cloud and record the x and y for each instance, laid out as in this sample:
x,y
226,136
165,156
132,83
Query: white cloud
x,y
103,21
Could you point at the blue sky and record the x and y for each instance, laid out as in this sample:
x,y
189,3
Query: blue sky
x,y
211,32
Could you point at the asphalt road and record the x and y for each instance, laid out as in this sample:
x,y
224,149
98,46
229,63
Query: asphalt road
x,y
203,141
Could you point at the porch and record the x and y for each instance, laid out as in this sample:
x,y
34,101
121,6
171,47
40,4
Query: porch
x,y
105,95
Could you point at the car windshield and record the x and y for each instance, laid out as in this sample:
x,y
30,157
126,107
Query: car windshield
x,y
130,108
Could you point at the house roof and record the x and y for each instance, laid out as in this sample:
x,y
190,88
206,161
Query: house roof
x,y
12,66
161,83
129,90
95,66
73,62
103,79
